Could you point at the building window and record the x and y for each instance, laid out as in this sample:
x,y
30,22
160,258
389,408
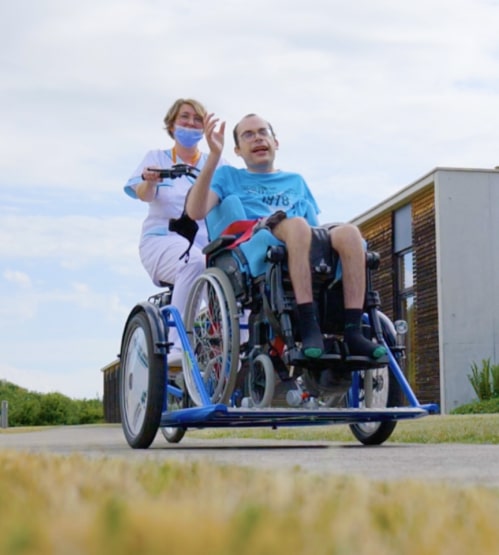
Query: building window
x,y
402,227
404,271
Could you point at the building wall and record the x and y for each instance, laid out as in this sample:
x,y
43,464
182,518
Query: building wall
x,y
426,348
467,204
456,282
379,234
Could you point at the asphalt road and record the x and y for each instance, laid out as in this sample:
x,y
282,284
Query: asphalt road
x,y
453,463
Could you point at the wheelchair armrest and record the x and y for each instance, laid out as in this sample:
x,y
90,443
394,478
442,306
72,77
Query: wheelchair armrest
x,y
219,243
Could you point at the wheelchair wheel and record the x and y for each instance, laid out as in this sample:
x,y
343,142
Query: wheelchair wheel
x,y
261,381
142,383
377,388
212,325
173,402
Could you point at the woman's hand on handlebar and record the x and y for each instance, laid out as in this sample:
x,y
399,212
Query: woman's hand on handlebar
x,y
146,190
150,175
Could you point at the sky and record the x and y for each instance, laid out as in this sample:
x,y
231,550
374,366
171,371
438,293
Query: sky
x,y
365,98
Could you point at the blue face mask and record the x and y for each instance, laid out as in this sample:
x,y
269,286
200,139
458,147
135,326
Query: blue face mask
x,y
187,136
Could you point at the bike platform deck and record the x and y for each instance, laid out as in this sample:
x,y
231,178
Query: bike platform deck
x,y
220,415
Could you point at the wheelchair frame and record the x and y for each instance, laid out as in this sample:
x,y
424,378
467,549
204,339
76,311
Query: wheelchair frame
x,y
153,397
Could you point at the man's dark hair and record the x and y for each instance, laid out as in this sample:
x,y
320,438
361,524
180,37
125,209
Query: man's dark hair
x,y
234,132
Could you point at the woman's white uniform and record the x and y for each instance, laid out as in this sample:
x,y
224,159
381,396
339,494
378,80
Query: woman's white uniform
x,y
160,249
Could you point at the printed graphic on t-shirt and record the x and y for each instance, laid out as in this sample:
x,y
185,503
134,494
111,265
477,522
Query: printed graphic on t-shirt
x,y
270,197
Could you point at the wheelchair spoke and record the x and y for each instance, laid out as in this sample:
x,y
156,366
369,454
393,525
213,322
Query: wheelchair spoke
x,y
212,324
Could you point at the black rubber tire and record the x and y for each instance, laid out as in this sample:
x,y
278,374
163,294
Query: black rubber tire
x,y
174,435
376,433
142,383
260,381
173,403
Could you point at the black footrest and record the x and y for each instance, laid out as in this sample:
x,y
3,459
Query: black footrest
x,y
334,361
299,359
366,361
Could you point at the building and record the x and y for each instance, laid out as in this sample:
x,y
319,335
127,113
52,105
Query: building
x,y
439,245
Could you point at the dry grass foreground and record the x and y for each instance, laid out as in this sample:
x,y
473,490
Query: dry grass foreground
x,y
75,505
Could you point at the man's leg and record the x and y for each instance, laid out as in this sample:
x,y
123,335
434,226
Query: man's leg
x,y
297,235
347,241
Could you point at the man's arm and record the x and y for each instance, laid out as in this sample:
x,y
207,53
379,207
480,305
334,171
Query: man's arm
x,y
201,199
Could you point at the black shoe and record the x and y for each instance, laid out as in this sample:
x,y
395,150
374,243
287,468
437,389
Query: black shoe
x,y
312,344
360,346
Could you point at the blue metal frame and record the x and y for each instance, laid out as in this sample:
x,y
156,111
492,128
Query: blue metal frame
x,y
220,415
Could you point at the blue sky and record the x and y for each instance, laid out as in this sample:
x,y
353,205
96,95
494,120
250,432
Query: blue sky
x,y
365,97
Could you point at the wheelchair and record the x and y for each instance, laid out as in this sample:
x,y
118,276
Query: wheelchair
x,y
242,363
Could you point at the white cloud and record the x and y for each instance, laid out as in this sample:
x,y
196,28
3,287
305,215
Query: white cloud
x,y
18,278
16,308
386,72
73,239
75,384
365,97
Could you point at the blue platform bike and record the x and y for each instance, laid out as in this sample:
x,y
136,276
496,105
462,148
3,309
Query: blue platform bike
x,y
242,363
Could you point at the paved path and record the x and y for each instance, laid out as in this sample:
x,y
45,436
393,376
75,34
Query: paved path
x,y
454,463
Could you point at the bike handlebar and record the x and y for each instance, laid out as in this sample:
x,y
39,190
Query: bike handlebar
x,y
177,170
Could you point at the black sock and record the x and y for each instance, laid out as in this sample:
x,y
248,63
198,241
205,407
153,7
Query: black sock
x,y
310,331
356,342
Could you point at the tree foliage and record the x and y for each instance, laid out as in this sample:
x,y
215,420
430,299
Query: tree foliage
x,y
30,408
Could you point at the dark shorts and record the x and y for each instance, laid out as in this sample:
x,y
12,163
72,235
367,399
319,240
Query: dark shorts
x,y
323,258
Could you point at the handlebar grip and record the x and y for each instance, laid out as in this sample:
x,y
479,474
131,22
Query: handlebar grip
x,y
178,170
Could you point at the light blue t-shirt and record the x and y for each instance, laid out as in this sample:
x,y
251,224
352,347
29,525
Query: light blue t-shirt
x,y
263,194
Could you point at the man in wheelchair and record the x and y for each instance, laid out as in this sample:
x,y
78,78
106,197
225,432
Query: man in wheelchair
x,y
285,205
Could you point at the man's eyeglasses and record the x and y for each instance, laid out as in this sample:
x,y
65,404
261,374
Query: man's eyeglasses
x,y
263,132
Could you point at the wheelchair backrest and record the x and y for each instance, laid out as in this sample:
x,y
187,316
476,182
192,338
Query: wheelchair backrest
x,y
230,210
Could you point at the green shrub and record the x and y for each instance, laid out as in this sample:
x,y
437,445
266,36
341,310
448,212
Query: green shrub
x,y
90,411
495,379
29,408
485,380
488,406
24,409
56,409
